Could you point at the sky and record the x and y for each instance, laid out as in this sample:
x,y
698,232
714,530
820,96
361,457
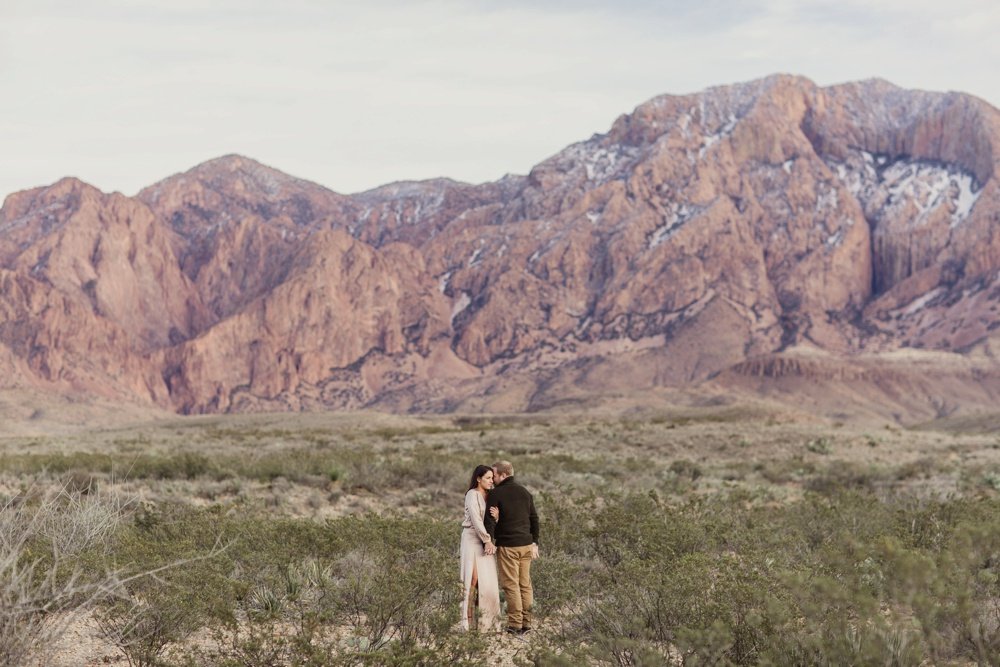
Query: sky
x,y
352,95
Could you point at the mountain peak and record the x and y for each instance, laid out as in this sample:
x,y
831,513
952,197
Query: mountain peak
x,y
67,191
230,162
236,169
406,189
700,233
233,177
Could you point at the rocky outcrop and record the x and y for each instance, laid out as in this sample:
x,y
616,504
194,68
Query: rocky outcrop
x,y
700,237
59,343
107,253
237,225
342,302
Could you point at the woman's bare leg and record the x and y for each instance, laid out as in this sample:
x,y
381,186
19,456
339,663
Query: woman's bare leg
x,y
473,603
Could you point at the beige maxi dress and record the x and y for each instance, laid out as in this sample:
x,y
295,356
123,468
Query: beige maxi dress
x,y
474,538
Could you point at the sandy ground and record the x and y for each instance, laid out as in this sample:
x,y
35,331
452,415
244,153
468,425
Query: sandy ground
x,y
82,646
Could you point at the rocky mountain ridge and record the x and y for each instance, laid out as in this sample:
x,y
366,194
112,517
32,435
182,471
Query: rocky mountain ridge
x,y
699,242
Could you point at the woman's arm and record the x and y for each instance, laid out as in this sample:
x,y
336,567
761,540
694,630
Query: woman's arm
x,y
472,511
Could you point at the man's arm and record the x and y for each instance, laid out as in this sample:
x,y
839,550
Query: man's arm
x,y
488,520
533,519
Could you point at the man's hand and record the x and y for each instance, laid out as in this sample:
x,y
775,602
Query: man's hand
x,y
534,551
489,548
495,513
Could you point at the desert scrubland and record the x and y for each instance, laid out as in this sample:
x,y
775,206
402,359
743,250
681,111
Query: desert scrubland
x,y
714,535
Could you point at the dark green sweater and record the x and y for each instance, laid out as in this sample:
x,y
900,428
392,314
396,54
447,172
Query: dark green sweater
x,y
518,525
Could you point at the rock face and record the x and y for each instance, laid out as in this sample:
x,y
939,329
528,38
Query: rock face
x,y
703,236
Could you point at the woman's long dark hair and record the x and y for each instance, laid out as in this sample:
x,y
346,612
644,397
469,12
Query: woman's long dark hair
x,y
477,474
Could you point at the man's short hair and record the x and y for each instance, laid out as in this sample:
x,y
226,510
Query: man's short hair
x,y
504,468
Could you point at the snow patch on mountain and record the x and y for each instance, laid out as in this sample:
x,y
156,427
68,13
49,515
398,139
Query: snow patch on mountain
x,y
885,187
918,303
443,283
46,213
460,305
677,214
601,162
718,135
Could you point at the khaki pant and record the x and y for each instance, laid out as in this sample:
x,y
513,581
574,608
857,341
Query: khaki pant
x,y
515,579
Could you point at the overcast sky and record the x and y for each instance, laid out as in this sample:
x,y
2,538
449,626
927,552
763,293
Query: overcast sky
x,y
122,93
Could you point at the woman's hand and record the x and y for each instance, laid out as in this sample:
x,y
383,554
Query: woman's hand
x,y
489,548
495,513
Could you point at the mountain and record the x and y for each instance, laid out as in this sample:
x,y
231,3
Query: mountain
x,y
836,247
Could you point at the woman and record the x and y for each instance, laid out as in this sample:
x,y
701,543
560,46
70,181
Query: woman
x,y
478,560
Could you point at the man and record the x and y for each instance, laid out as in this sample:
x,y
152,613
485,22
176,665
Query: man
x,y
516,536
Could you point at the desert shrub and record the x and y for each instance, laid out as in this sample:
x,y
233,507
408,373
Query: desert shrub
x,y
280,587
41,589
433,468
929,524
546,651
951,588
141,628
565,517
833,614
686,468
992,480
368,473
182,465
386,597
76,522
703,608
56,463
556,579
844,475
80,482
184,551
391,433
400,615
921,468
286,620
299,464
784,471
643,527
296,464
845,577
252,642
821,446
459,650
542,465
395,578
663,580
232,566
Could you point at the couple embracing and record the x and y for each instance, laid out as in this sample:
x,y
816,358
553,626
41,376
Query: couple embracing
x,y
500,529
